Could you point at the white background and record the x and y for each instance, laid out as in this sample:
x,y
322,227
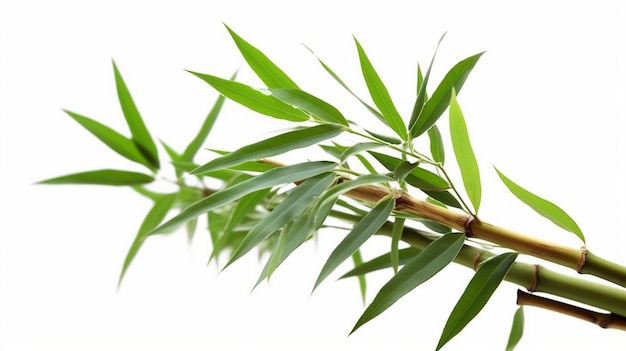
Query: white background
x,y
545,104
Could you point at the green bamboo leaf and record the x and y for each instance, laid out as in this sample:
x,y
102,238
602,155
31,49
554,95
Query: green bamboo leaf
x,y
312,105
291,207
517,329
273,146
382,262
156,214
396,235
422,83
542,206
253,99
276,176
114,140
386,138
476,294
380,95
358,148
436,145
141,136
419,269
418,177
438,102
358,260
464,153
443,196
102,177
363,230
346,185
403,169
269,73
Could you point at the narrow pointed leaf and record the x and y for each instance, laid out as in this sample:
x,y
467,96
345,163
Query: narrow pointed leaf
x,y
316,107
380,95
331,194
396,235
438,102
476,294
382,262
418,177
542,206
102,177
274,177
358,260
386,138
436,145
273,146
137,127
443,196
464,153
253,99
517,329
362,231
269,73
419,269
358,148
422,83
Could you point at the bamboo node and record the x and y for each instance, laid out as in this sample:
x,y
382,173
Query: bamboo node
x,y
533,286
468,226
583,260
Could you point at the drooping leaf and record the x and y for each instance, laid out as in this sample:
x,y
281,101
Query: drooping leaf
x,y
436,145
315,106
357,259
396,235
276,176
464,153
419,269
102,177
253,99
542,206
141,136
363,230
382,262
273,146
438,102
517,329
380,95
116,141
476,294
269,73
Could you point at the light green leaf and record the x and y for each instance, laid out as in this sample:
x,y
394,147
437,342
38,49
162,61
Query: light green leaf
x,y
436,145
273,146
356,149
396,235
358,260
382,262
422,83
102,177
544,207
464,153
517,329
363,230
476,294
380,95
419,269
269,73
314,106
141,136
276,176
253,99
438,102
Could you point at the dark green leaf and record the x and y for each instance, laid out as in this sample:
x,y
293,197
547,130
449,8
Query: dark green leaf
x,y
443,196
517,329
102,177
418,177
544,207
386,138
273,146
346,185
403,169
436,145
476,294
138,129
396,235
422,83
312,105
253,99
382,262
356,149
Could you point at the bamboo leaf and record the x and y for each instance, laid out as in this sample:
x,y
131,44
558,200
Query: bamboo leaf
x,y
380,95
443,196
310,104
436,145
542,206
269,73
385,138
114,140
464,153
331,194
102,177
476,294
438,102
273,146
357,148
419,269
418,177
141,136
358,260
253,99
517,329
382,262
365,228
396,235
276,176
422,83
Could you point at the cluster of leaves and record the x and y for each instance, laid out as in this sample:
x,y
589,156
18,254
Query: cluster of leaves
x,y
278,208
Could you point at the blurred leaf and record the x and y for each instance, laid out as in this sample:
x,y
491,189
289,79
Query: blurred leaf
x,y
464,153
517,329
544,207
382,262
102,177
363,230
176,159
396,235
147,193
276,176
358,260
403,169
191,228
273,146
269,73
418,177
438,102
310,104
253,99
117,142
422,83
390,140
436,145
476,294
380,95
138,129
419,269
